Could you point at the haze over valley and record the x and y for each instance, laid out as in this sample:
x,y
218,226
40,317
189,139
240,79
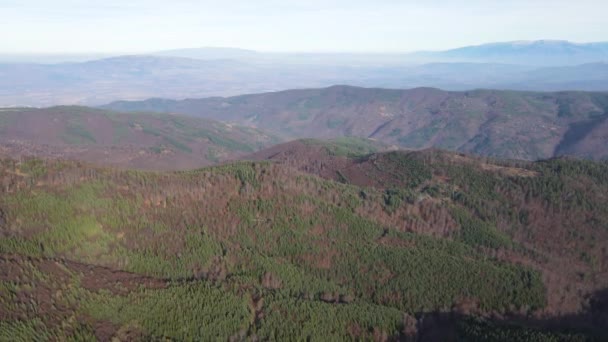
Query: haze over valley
x,y
205,72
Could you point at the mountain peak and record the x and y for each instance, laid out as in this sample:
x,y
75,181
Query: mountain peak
x,y
543,52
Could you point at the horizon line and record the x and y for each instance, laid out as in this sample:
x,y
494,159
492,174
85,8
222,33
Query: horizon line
x,y
266,51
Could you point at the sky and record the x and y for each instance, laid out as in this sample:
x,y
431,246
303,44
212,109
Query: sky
x,y
134,26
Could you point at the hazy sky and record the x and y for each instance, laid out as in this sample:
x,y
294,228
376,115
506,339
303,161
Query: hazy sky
x,y
282,25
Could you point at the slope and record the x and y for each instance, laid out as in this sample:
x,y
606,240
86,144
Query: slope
x,y
505,124
448,246
139,140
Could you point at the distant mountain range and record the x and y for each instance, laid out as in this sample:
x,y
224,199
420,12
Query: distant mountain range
x,y
196,73
210,53
507,124
535,53
540,52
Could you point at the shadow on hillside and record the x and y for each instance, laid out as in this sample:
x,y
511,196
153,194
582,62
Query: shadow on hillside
x,y
590,325
576,133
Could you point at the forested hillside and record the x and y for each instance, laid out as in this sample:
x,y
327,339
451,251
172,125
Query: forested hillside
x,y
497,123
435,245
135,140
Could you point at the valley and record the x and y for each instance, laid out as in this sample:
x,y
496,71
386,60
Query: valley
x,y
44,81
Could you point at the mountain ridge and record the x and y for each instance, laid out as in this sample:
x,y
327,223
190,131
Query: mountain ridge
x,y
134,140
508,124
535,52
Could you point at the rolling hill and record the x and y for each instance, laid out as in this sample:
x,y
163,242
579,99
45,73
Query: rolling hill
x,y
505,124
137,140
445,247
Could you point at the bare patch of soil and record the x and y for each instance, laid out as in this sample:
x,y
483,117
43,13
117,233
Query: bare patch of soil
x,y
95,278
